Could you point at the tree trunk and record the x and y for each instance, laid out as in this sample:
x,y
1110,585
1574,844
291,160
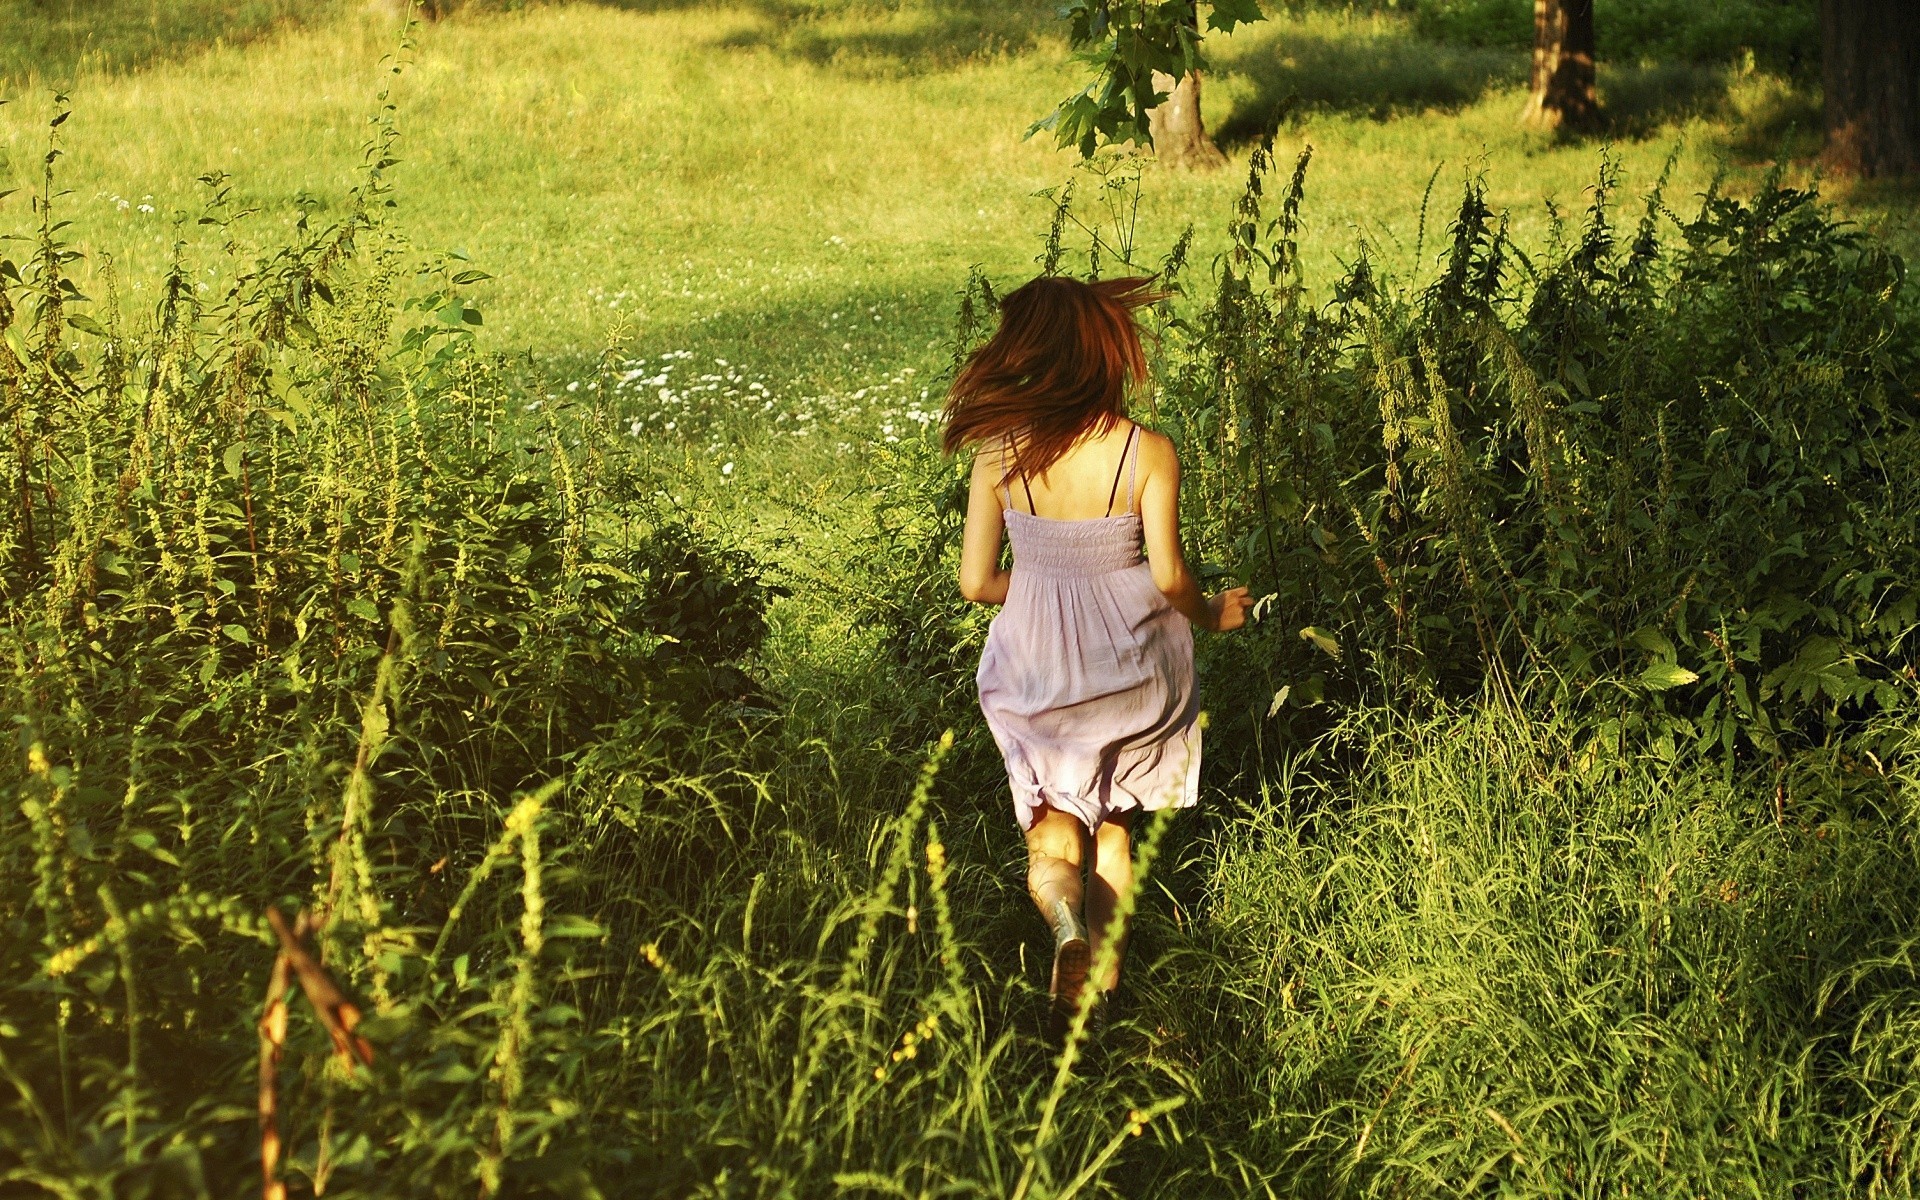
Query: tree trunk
x,y
1871,72
1179,135
1562,91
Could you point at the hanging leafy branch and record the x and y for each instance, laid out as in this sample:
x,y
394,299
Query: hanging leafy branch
x,y
1126,42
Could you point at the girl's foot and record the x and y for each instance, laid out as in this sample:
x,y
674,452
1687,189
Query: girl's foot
x,y
1072,958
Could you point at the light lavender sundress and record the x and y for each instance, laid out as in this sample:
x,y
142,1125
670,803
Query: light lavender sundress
x,y
1087,675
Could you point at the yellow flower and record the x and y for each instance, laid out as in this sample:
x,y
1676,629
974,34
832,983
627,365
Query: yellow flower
x,y
651,952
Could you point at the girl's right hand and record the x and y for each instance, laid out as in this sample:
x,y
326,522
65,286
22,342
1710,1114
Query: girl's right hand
x,y
1229,609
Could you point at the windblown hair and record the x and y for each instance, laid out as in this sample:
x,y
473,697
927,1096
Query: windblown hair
x,y
1060,366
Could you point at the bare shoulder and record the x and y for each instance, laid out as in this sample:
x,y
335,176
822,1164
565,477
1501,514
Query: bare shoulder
x,y
1157,454
989,463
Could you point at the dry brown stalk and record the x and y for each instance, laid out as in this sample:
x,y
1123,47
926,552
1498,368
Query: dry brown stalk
x,y
337,1013
273,1040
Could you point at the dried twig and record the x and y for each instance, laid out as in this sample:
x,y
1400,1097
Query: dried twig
x,y
273,1040
339,1014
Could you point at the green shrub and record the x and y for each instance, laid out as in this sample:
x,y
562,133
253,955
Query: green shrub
x,y
1660,477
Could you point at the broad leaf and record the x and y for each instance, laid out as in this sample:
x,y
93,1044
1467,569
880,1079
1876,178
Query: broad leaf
x,y
1325,641
1228,13
1659,676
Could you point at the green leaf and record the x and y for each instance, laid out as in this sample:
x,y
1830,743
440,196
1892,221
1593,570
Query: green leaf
x,y
291,396
1321,639
385,1028
453,1072
362,607
1659,676
140,839
569,926
231,459
466,277
1577,374
1228,13
1653,642
86,324
238,633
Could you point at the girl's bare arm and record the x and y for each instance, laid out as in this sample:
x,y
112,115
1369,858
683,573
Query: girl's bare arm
x,y
1160,519
982,579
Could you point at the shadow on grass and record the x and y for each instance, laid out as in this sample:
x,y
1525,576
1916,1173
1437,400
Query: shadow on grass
x,y
1384,72
53,42
1761,116
874,38
56,41
1376,73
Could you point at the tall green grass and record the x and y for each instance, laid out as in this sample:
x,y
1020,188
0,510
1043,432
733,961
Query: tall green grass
x,y
631,821
1486,959
1654,470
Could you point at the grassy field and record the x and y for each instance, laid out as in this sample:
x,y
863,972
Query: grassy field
x,y
727,179
601,699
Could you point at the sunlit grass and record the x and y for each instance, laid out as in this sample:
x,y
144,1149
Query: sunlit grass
x,y
724,179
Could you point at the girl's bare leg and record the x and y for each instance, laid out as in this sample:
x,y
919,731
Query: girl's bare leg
x,y
1112,875
1055,856
1054,859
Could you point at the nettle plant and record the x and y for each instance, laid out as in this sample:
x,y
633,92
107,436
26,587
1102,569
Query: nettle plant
x,y
304,603
1660,474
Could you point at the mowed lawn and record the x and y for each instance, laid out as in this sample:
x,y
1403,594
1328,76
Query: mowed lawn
x,y
802,190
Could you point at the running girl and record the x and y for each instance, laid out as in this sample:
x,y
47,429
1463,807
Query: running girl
x,y
1087,676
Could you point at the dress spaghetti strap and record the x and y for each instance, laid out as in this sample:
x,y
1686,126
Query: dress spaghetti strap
x,y
1133,469
1024,485
1119,467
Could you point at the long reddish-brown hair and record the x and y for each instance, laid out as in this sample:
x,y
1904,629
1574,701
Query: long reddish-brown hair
x,y
1060,365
